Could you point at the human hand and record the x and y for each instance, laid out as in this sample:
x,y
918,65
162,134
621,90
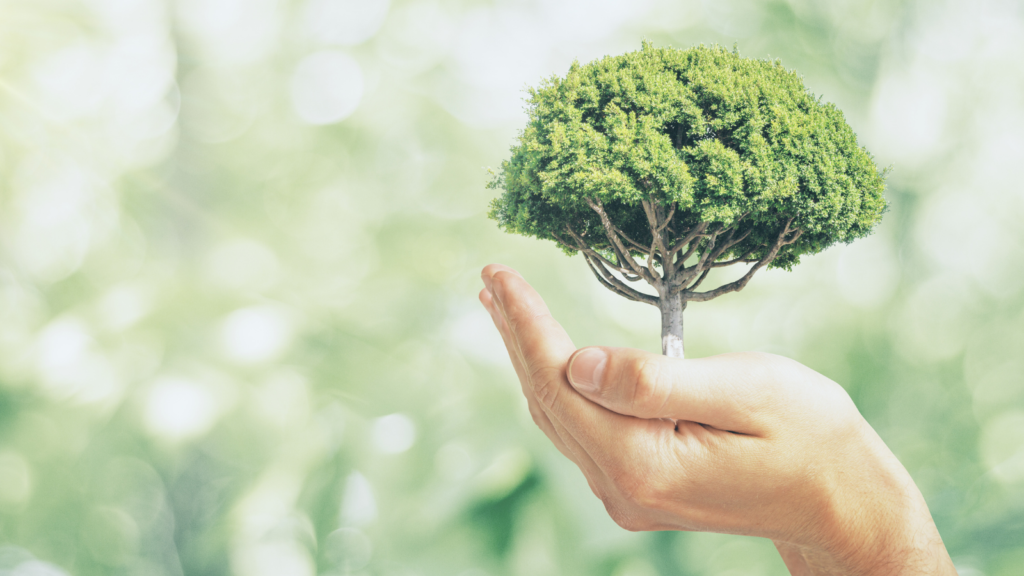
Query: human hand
x,y
747,443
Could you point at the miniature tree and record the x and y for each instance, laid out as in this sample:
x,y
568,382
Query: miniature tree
x,y
662,165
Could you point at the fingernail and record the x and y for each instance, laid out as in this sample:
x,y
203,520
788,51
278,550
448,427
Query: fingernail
x,y
587,369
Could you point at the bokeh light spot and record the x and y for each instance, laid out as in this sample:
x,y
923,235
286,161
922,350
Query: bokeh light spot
x,y
124,305
506,472
179,409
326,87
343,22
256,334
70,367
393,434
453,462
274,558
358,505
37,568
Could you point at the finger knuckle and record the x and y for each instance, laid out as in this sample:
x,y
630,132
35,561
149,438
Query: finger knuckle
x,y
648,495
626,516
545,386
649,392
628,483
538,417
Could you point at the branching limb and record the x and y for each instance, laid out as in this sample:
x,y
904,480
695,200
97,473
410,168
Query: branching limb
x,y
650,262
699,280
652,217
729,243
781,240
684,274
597,207
620,250
657,220
743,259
576,244
707,251
668,219
582,246
681,261
627,275
694,232
652,221
699,232
609,281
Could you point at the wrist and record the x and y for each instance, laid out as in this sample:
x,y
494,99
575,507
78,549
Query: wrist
x,y
891,534
875,522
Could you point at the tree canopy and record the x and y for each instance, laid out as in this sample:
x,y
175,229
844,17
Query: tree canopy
x,y
686,159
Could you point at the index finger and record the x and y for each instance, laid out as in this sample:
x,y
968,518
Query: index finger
x,y
545,349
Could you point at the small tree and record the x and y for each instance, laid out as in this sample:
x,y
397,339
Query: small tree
x,y
663,164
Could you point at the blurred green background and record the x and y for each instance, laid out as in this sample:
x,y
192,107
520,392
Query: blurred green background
x,y
239,253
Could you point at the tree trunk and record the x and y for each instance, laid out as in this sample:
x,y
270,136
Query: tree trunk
x,y
672,325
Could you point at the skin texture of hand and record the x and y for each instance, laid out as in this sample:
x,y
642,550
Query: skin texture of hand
x,y
748,443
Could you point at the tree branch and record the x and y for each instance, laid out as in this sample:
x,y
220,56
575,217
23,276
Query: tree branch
x,y
653,211
734,261
681,261
693,233
738,285
707,252
609,281
620,250
729,244
699,280
671,213
582,246
597,207
650,263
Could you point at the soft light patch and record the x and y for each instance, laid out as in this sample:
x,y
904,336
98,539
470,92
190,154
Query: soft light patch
x,y
70,367
326,87
358,506
343,22
909,112
124,305
256,334
273,558
453,462
178,409
232,31
508,471
393,434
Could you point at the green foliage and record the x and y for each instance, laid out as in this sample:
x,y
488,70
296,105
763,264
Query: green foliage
x,y
718,135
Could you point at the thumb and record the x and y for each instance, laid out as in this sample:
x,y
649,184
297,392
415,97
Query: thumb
x,y
727,392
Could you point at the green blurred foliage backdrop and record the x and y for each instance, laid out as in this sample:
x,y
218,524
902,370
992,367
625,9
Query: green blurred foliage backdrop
x,y
239,248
